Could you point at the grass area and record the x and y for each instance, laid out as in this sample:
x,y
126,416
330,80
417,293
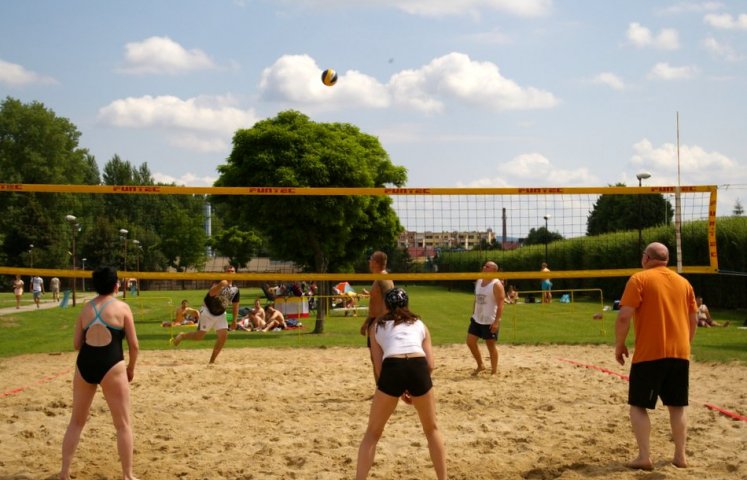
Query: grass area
x,y
445,312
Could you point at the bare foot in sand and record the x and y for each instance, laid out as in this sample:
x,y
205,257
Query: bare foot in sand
x,y
680,462
640,464
479,369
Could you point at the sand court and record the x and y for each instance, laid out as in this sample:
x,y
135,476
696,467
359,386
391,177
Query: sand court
x,y
301,413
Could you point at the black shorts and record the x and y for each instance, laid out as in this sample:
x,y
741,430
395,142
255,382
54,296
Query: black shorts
x,y
667,378
481,331
400,374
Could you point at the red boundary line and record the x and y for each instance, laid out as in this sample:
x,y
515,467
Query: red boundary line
x,y
49,378
720,410
732,415
594,367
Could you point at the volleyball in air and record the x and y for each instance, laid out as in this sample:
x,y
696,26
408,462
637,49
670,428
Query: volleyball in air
x,y
329,77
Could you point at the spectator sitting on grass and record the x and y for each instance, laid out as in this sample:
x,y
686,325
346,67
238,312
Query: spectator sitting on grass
x,y
704,315
275,319
185,315
255,319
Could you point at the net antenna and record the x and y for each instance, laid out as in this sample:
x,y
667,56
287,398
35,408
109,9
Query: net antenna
x,y
677,204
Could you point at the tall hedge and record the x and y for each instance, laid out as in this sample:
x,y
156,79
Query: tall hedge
x,y
727,289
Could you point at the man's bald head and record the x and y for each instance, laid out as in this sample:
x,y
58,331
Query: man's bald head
x,y
657,253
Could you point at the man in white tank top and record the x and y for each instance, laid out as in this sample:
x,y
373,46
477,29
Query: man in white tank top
x,y
486,318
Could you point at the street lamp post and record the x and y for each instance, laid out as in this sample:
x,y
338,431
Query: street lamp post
x,y
641,176
84,271
73,221
123,235
31,255
547,235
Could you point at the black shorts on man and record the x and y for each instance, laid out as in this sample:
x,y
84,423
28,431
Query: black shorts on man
x,y
481,331
666,378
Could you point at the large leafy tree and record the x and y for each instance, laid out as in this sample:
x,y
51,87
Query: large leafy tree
x,y
541,236
37,146
237,244
613,213
324,233
169,228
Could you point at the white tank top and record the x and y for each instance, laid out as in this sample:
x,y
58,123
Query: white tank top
x,y
485,306
401,339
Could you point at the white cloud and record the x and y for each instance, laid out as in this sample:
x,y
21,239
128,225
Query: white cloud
x,y
726,21
15,75
691,7
721,50
521,8
697,167
609,79
188,179
664,71
296,78
535,169
161,55
203,124
208,114
696,164
458,77
441,8
641,37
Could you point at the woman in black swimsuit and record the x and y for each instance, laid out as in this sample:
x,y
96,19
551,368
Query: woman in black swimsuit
x,y
99,331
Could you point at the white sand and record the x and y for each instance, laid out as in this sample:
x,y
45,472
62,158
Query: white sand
x,y
300,414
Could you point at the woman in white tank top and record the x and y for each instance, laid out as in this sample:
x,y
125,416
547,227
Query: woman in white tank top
x,y
403,361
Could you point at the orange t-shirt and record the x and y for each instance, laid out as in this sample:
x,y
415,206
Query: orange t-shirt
x,y
663,301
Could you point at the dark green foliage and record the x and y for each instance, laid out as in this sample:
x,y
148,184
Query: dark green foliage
x,y
540,236
36,146
616,213
620,250
168,227
322,233
236,244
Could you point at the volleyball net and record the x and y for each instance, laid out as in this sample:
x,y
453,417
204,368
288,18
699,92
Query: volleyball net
x,y
447,233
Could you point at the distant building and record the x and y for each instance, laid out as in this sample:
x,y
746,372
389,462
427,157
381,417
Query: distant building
x,y
424,244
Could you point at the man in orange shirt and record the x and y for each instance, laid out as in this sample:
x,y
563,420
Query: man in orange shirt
x,y
663,303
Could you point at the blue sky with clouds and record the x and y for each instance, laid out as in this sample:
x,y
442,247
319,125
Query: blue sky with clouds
x,y
461,92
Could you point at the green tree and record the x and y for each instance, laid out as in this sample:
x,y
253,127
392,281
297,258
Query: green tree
x,y
613,213
169,228
37,146
237,244
738,209
541,236
325,233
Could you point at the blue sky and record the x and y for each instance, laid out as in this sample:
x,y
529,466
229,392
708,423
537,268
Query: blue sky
x,y
504,93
